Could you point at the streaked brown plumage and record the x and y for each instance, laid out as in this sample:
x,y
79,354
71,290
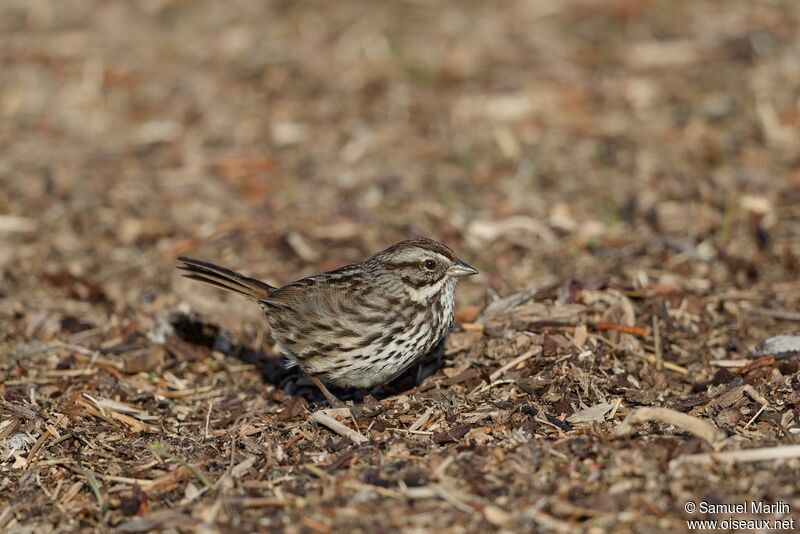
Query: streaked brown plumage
x,y
360,325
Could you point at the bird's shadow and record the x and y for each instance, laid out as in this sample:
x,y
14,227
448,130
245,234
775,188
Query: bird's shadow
x,y
292,380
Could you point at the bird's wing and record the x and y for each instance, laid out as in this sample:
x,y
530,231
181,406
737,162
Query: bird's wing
x,y
335,312
322,290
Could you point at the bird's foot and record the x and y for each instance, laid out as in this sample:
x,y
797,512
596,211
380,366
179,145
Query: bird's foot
x,y
333,400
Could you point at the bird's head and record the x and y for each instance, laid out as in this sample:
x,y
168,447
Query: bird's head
x,y
423,265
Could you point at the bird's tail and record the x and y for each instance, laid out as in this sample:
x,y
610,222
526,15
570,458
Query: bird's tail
x,y
224,278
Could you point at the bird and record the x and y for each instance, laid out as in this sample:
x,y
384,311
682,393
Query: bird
x,y
361,325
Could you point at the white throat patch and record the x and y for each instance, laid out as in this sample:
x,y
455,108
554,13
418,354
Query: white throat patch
x,y
424,294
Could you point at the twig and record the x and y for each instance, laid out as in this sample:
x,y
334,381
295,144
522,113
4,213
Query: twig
x,y
442,467
500,372
6,515
144,483
547,521
640,331
755,395
784,315
95,485
758,413
454,497
159,449
764,361
421,420
15,224
38,445
782,452
325,420
208,418
669,366
513,363
120,407
729,363
657,344
96,403
316,471
257,502
698,427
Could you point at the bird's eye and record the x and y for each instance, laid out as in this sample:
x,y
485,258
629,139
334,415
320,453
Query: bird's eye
x,y
430,264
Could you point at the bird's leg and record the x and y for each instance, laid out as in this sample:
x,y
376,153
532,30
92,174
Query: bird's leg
x,y
332,400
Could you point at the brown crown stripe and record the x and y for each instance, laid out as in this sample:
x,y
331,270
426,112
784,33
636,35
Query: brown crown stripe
x,y
425,243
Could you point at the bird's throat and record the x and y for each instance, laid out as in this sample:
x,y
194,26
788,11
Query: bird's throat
x,y
426,293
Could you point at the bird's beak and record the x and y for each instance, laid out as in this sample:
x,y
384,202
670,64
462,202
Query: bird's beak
x,y
460,268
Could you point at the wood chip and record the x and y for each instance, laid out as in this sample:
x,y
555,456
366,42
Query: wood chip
x,y
590,414
640,331
243,467
160,520
325,420
13,224
421,420
782,452
510,365
496,516
729,363
783,315
699,427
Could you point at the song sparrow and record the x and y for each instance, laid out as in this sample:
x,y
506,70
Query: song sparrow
x,y
360,325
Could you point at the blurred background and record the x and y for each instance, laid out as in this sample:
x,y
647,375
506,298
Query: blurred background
x,y
538,138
